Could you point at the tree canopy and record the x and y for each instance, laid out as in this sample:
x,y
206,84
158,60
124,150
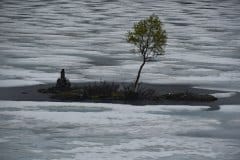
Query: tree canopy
x,y
150,39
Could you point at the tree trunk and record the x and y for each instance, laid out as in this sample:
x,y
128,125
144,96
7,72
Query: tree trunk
x,y
138,76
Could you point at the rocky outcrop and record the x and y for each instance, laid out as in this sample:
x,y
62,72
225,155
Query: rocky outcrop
x,y
63,83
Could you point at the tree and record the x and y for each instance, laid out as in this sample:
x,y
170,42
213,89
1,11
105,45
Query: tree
x,y
150,39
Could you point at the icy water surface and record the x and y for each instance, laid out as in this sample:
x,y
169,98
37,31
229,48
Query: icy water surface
x,y
87,37
85,131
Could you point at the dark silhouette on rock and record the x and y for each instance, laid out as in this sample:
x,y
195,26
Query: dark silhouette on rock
x,y
63,83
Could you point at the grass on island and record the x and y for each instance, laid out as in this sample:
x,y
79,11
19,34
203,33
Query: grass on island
x,y
104,91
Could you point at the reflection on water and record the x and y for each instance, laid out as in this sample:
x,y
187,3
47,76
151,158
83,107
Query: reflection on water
x,y
40,37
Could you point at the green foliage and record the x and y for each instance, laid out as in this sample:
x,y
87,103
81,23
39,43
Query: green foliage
x,y
148,36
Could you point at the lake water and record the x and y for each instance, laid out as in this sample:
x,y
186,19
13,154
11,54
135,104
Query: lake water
x,y
87,37
86,131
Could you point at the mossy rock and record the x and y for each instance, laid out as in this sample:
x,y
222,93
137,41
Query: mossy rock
x,y
74,95
111,91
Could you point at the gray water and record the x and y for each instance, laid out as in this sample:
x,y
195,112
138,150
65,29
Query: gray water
x,y
87,131
87,38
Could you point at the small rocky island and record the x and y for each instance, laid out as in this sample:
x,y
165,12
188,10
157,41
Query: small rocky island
x,y
152,45
118,93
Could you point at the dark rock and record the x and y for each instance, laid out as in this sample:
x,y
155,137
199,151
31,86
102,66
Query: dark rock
x,y
63,83
189,97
